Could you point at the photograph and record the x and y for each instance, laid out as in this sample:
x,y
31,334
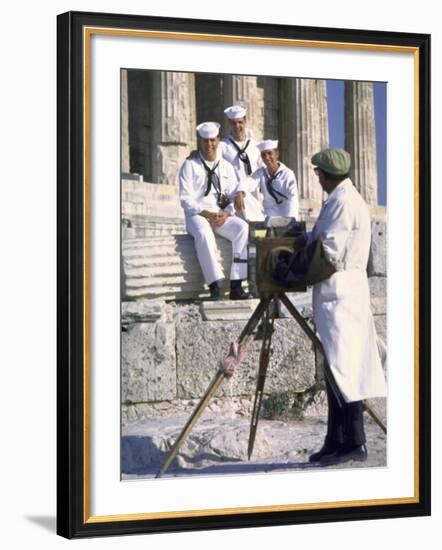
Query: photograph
x,y
243,265
188,139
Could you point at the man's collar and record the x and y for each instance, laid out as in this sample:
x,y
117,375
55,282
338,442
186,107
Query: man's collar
x,y
344,184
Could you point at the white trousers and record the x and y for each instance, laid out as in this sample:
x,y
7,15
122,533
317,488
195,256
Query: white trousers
x,y
235,230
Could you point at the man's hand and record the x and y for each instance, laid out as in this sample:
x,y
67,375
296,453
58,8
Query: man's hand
x,y
216,219
220,218
239,201
210,216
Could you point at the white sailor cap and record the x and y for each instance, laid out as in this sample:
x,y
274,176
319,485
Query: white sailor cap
x,y
208,130
268,144
235,111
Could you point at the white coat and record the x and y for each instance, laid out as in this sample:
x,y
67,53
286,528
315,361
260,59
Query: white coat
x,y
341,303
284,183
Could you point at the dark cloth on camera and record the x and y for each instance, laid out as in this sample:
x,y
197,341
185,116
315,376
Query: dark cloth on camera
x,y
308,265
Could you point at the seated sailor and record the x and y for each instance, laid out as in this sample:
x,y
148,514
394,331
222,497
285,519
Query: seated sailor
x,y
276,182
207,186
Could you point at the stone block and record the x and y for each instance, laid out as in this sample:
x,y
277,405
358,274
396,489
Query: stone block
x,y
201,347
377,264
301,300
166,268
378,295
229,310
380,322
148,364
142,311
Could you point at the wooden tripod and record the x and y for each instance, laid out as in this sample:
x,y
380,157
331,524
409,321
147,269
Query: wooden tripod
x,y
261,310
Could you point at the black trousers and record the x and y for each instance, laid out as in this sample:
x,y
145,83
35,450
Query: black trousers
x,y
345,426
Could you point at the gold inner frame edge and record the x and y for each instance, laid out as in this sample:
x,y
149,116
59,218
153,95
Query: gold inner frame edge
x,y
87,34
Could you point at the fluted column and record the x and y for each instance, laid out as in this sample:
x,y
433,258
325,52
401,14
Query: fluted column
x,y
304,131
174,121
360,138
125,157
243,90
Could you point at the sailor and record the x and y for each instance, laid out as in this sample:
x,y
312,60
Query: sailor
x,y
276,182
240,149
341,309
207,187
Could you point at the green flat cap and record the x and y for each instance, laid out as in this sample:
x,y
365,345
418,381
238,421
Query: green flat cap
x,y
333,161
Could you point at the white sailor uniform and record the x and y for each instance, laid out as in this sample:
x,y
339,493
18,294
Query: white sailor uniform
x,y
280,190
197,193
244,156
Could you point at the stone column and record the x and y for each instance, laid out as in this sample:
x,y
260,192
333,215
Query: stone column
x,y
125,158
304,131
243,90
174,121
360,138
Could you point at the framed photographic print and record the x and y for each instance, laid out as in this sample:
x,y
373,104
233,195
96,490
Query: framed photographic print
x,y
196,389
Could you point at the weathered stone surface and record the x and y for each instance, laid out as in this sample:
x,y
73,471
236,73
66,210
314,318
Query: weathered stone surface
x,y
303,131
142,311
218,445
243,90
202,346
229,310
377,264
378,294
148,365
167,268
379,404
183,313
151,200
173,123
380,322
360,137
302,301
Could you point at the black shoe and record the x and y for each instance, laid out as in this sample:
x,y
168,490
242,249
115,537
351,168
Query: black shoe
x,y
215,294
325,450
358,453
237,292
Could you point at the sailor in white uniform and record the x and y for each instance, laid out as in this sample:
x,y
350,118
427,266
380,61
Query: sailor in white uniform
x,y
276,182
207,187
341,309
240,149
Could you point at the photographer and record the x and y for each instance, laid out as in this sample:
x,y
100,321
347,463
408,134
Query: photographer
x,y
341,309
207,185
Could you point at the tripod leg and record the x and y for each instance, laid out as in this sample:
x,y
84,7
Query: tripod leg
x,y
212,388
316,342
327,372
262,373
375,416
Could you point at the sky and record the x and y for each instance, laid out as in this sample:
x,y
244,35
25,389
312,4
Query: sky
x,y
335,101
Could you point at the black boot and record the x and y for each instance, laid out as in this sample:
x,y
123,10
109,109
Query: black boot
x,y
215,294
237,292
326,449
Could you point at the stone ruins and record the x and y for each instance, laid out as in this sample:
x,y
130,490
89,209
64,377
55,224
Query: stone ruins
x,y
173,340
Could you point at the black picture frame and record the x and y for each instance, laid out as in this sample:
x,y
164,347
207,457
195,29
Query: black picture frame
x,y
73,518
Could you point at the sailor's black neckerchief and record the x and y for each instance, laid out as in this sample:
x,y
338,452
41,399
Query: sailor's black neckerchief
x,y
212,179
243,156
276,195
